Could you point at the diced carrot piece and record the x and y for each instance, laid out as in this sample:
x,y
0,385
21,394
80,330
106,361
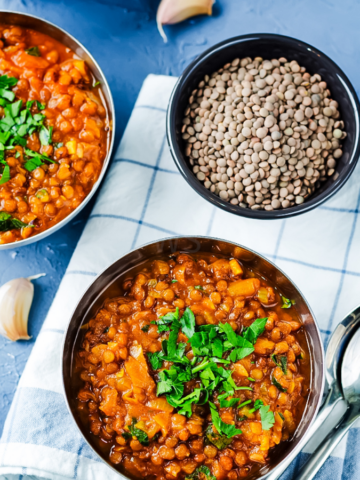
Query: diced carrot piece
x,y
163,420
244,288
240,370
109,401
235,267
256,427
137,369
160,403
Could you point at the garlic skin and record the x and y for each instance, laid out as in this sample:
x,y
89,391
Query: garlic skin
x,y
175,11
16,297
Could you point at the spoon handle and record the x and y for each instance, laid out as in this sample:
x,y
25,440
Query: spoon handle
x,y
332,398
317,459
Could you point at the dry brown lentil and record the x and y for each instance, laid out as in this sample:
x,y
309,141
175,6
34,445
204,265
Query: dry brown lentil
x,y
265,128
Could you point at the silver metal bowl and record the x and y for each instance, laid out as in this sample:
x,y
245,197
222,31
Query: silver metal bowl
x,y
48,28
108,284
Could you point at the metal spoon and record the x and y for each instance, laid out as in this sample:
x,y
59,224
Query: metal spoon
x,y
350,381
338,342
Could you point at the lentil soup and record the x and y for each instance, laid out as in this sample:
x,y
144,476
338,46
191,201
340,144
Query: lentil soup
x,y
198,369
54,132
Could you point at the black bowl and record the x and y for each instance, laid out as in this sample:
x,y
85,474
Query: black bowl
x,y
267,46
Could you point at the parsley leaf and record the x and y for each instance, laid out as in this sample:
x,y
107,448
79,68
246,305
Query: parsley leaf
x,y
227,403
40,105
282,364
139,434
220,441
187,322
156,359
257,404
45,135
173,281
255,330
7,222
165,321
277,385
96,84
5,177
199,287
126,435
201,473
6,82
286,302
145,328
267,417
33,51
222,427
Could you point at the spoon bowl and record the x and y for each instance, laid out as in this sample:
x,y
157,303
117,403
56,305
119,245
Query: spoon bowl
x,y
350,371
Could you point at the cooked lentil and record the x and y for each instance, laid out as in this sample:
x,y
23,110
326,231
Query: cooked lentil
x,y
141,431
53,167
262,134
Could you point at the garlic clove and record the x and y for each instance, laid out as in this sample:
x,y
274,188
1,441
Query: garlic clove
x,y
175,11
16,297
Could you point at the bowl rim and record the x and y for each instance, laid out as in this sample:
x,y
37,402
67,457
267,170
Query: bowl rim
x,y
184,168
65,345
111,109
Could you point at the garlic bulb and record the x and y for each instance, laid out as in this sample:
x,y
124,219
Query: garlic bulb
x,y
15,301
175,11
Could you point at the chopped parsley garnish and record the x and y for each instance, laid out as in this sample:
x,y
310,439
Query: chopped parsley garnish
x,y
40,106
7,222
145,328
251,379
255,330
34,51
257,404
222,427
126,435
45,135
141,436
277,385
286,302
201,473
211,345
5,174
282,363
244,403
173,281
199,287
96,84
267,417
17,123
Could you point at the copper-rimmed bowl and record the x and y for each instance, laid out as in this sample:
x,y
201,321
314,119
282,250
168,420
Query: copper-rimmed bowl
x,y
267,45
35,23
108,284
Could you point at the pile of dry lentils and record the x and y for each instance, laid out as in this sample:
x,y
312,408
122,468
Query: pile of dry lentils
x,y
262,134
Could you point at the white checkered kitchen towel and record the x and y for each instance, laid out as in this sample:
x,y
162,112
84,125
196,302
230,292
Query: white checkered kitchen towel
x,y
145,198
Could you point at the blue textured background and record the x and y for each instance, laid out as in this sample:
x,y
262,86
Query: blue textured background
x,y
122,36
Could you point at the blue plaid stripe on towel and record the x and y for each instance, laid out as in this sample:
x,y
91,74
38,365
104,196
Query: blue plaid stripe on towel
x,y
145,198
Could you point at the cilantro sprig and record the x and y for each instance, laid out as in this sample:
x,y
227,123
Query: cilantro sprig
x,y
7,222
17,123
280,362
201,473
141,436
211,347
287,303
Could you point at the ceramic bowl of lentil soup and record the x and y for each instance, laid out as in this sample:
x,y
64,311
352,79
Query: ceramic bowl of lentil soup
x,y
264,126
56,128
193,357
